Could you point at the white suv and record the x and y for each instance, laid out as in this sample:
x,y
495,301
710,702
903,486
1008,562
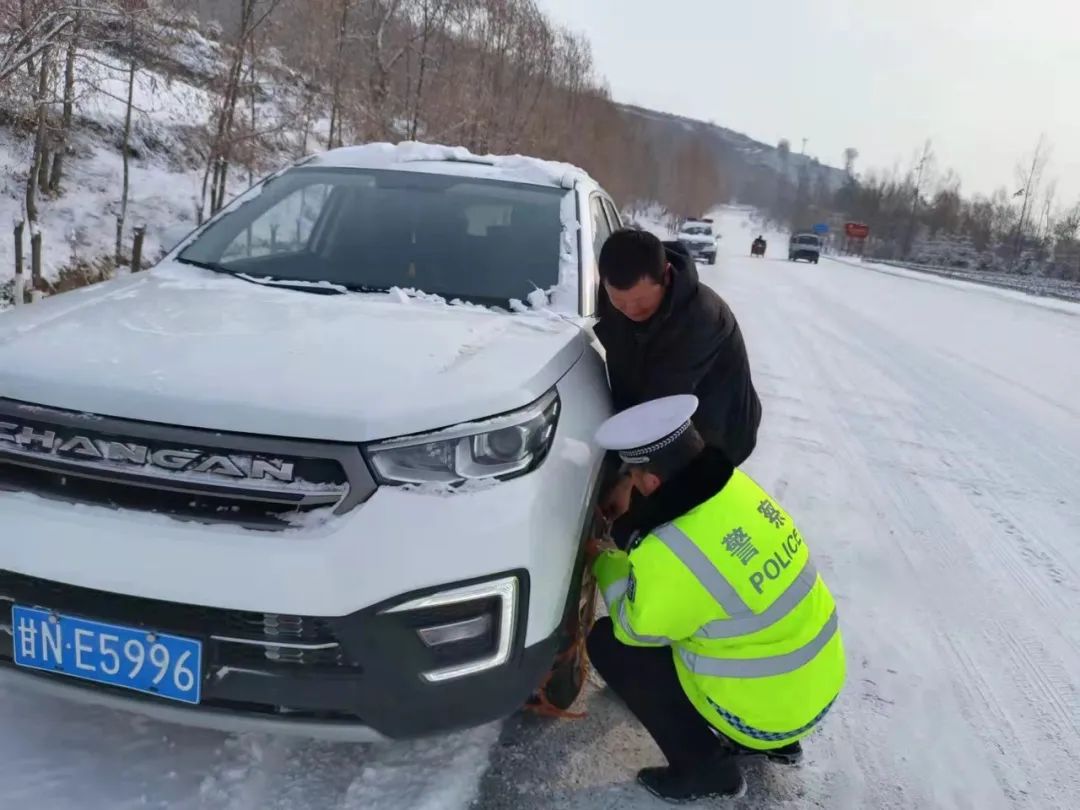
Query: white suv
x,y
699,238
270,485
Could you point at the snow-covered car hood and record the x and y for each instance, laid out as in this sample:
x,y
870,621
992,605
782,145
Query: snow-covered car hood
x,y
184,346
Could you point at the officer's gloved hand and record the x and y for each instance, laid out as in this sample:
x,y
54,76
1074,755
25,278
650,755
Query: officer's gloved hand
x,y
617,501
597,546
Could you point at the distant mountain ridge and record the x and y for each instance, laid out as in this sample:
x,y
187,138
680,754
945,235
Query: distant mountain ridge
x,y
742,157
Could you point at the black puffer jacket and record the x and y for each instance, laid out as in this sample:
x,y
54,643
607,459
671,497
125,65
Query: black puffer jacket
x,y
693,345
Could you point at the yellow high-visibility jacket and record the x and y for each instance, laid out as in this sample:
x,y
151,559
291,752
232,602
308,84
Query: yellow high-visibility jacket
x,y
730,587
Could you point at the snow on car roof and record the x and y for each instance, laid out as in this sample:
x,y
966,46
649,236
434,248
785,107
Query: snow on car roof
x,y
456,160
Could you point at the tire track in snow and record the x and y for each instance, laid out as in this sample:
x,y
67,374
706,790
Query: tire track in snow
x,y
984,711
1028,668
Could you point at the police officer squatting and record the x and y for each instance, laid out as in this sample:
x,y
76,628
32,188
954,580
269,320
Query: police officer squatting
x,y
722,639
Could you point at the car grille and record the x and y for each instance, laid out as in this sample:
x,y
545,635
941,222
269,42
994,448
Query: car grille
x,y
261,482
232,638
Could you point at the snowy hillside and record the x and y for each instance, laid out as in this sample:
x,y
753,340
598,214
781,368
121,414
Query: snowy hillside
x,y
173,106
750,151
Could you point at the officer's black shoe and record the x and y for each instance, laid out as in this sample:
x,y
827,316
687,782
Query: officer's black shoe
x,y
715,778
788,755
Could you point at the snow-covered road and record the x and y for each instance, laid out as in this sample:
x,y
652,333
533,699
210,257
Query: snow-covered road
x,y
927,439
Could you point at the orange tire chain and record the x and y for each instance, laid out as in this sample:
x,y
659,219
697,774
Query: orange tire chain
x,y
538,703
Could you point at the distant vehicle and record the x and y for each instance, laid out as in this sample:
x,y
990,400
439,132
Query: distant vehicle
x,y
804,246
699,238
758,247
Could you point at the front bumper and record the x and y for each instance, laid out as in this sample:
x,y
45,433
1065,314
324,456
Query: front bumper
x,y
338,576
700,250
372,688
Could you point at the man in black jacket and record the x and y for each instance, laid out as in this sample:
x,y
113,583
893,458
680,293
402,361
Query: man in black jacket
x,y
666,333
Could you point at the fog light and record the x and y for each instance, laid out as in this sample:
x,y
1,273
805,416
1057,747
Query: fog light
x,y
456,631
498,620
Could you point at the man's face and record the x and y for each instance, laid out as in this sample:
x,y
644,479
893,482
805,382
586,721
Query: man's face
x,y
644,482
640,302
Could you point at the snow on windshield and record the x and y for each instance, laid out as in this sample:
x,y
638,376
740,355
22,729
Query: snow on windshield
x,y
478,240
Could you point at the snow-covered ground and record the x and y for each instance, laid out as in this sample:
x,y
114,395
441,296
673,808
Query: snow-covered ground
x,y
926,436
81,223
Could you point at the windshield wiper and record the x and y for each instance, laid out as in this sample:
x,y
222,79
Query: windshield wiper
x,y
217,268
293,284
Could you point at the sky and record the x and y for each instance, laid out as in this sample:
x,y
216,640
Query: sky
x,y
983,79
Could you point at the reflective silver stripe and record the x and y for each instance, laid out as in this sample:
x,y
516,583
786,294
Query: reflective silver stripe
x,y
788,601
615,590
761,667
625,624
701,567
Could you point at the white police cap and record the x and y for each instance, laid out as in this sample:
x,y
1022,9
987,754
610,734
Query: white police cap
x,y
639,432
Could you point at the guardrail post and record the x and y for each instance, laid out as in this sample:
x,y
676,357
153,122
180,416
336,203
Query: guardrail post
x,y
35,261
136,249
20,283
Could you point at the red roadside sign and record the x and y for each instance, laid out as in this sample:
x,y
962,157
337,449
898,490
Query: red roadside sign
x,y
856,230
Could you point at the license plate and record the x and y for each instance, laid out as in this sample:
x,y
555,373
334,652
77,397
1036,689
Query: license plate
x,y
142,660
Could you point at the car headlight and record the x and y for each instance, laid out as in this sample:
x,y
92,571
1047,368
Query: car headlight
x,y
499,448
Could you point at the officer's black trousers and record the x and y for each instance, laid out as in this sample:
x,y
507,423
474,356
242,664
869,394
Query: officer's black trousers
x,y
645,679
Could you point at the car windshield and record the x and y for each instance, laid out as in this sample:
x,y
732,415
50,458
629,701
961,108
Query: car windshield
x,y
696,230
463,238
807,240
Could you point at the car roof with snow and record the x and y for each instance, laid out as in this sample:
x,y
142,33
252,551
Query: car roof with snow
x,y
453,160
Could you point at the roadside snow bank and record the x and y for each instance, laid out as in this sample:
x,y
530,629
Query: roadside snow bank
x,y
1034,296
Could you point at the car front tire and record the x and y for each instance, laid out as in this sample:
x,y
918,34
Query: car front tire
x,y
568,673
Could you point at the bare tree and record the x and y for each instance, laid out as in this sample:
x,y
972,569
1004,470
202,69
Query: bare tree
x,y
430,18
1030,178
851,154
41,106
1046,216
39,27
1067,224
64,134
920,173
135,19
253,14
338,75
383,56
943,214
